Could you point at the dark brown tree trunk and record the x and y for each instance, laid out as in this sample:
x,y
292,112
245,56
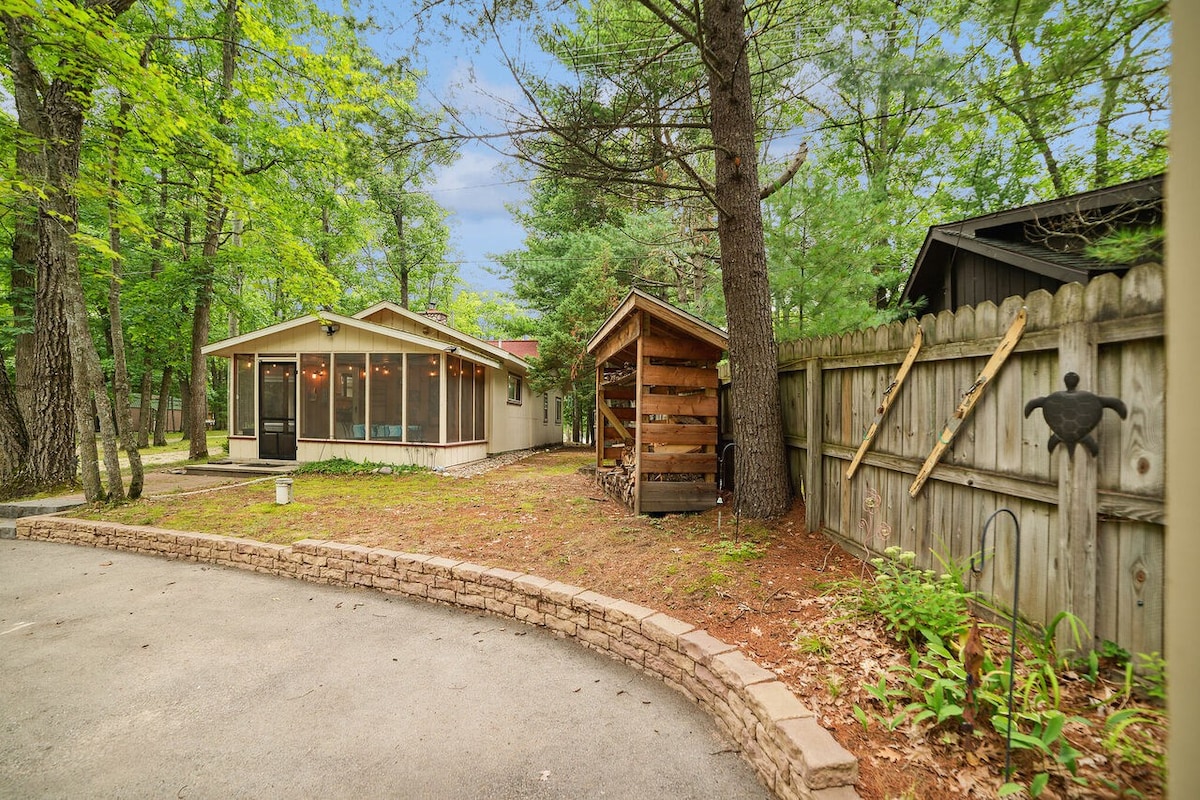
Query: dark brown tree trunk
x,y
144,415
576,416
14,440
46,408
761,469
214,222
185,407
398,218
164,408
57,227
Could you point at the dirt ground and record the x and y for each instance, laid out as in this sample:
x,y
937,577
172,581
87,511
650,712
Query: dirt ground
x,y
768,588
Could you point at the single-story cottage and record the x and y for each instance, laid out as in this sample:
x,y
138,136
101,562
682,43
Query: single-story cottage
x,y
387,385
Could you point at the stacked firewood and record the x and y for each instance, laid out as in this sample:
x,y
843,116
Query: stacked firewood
x,y
617,483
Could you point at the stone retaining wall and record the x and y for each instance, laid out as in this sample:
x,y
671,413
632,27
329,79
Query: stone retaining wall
x,y
777,734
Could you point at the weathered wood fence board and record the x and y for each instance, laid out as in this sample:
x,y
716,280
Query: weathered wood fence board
x,y
1103,559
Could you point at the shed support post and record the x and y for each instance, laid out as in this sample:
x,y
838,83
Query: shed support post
x,y
1077,559
814,434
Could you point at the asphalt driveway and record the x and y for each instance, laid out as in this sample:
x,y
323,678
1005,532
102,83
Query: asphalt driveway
x,y
129,676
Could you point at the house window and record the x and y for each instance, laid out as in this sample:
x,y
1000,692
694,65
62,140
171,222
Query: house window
x,y
350,396
558,411
514,388
423,398
314,396
387,396
243,396
545,409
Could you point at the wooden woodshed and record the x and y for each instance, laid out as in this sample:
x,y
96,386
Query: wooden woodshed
x,y
656,404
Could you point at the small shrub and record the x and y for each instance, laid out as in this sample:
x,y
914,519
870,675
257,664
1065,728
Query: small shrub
x,y
344,466
911,600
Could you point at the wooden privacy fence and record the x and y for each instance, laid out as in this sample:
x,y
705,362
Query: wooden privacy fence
x,y
1092,528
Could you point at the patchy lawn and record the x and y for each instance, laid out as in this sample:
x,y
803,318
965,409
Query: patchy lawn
x,y
783,596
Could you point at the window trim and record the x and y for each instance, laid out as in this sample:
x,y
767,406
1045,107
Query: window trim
x,y
514,397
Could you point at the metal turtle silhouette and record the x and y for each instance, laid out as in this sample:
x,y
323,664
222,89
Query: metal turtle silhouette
x,y
1072,415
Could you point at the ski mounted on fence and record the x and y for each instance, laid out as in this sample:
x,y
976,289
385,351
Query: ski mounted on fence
x,y
970,398
889,396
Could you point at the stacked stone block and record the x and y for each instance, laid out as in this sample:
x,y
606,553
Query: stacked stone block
x,y
777,734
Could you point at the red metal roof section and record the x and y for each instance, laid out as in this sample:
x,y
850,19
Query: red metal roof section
x,y
521,348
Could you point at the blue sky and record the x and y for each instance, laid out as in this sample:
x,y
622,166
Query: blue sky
x,y
479,185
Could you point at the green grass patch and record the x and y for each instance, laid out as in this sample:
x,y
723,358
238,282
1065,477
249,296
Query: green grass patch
x,y
737,552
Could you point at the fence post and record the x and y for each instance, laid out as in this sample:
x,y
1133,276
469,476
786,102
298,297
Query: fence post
x,y
1077,556
814,435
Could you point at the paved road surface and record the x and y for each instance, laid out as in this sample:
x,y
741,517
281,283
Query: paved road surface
x,y
128,676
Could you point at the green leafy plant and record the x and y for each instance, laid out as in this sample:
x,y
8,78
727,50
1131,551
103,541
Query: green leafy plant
x,y
809,643
344,466
911,600
1130,734
1152,675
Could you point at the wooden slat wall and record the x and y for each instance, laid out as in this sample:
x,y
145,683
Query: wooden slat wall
x,y
1000,458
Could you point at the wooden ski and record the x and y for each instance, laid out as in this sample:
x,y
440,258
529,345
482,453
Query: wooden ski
x,y
889,395
970,398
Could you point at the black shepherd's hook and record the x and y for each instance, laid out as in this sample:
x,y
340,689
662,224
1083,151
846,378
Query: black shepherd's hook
x,y
1012,658
737,503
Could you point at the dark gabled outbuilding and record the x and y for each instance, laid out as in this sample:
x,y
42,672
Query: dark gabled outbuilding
x,y
1037,246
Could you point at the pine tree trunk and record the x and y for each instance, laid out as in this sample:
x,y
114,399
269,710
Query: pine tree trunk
x,y
760,466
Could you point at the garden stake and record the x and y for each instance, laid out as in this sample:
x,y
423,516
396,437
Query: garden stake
x,y
1012,657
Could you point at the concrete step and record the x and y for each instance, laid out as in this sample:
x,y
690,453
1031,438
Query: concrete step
x,y
8,529
252,469
31,508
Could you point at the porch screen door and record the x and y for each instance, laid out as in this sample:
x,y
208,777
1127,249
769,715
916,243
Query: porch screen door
x,y
277,410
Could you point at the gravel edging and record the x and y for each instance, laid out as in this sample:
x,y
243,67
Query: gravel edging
x,y
775,732
473,468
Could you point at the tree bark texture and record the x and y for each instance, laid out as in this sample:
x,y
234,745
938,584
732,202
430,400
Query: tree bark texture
x,y
164,408
49,420
761,469
14,440
57,226
214,221
121,388
145,389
